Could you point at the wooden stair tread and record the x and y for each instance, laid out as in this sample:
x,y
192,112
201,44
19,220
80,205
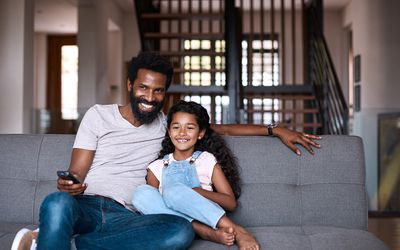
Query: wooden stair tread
x,y
181,70
157,35
191,53
300,124
196,90
279,89
314,111
282,96
180,16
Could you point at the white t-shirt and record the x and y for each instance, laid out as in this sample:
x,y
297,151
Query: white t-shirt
x,y
204,166
123,151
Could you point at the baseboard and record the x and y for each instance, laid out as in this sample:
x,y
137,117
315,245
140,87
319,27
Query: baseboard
x,y
380,214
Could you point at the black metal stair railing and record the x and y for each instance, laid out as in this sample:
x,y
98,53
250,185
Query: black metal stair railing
x,y
190,33
233,71
322,75
279,96
147,7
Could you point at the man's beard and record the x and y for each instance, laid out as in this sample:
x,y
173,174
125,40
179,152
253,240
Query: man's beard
x,y
144,117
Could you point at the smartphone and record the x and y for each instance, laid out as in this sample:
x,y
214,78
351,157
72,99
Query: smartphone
x,y
66,175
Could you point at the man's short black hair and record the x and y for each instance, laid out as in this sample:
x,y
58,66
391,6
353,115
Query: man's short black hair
x,y
151,61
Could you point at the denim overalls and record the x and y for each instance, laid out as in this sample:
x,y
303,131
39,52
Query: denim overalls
x,y
178,197
180,172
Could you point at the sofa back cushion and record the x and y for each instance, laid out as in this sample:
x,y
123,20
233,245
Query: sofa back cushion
x,y
28,165
281,188
278,187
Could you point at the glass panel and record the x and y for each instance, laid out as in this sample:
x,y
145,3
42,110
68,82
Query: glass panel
x,y
206,44
205,79
220,46
219,79
69,82
206,62
195,44
187,44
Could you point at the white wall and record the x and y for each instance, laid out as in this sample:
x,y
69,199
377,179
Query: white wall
x,y
87,43
40,70
116,80
97,65
337,40
16,71
131,36
376,38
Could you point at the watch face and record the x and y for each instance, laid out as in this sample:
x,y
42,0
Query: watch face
x,y
272,125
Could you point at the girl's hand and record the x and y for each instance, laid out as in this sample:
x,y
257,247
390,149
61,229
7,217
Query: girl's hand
x,y
291,137
197,189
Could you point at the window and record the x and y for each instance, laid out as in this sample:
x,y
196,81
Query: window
x,y
69,82
264,64
206,67
260,67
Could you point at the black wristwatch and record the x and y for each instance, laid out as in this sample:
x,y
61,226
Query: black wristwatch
x,y
270,127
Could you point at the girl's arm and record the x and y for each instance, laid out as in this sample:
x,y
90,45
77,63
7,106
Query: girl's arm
x,y
224,194
151,179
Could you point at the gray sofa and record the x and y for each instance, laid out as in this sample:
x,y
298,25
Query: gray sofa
x,y
288,202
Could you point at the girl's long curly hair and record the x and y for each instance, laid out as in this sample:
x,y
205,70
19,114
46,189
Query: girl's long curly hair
x,y
211,142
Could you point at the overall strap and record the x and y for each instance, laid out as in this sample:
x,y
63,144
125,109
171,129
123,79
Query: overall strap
x,y
166,160
194,157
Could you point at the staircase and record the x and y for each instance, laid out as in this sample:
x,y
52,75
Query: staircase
x,y
234,59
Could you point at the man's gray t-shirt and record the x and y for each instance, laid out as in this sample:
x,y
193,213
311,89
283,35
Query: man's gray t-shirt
x,y
123,151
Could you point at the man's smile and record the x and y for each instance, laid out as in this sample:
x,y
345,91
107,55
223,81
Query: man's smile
x,y
146,107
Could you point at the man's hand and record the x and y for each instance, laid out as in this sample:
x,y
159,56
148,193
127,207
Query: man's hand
x,y
291,137
69,187
81,160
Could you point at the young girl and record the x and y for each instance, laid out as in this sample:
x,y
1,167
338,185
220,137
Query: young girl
x,y
195,177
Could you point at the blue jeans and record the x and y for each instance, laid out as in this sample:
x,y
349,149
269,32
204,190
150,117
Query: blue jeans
x,y
104,224
180,200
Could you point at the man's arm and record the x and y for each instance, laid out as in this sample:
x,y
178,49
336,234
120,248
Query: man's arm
x,y
287,136
81,160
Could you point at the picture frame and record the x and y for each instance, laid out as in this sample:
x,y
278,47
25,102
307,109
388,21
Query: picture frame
x,y
357,98
388,162
357,68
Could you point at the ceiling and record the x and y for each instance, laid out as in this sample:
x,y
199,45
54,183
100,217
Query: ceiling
x,y
60,16
56,16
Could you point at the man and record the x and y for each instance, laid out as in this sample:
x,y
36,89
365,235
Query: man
x,y
112,149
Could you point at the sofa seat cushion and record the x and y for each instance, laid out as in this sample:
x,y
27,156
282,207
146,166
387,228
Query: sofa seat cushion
x,y
305,238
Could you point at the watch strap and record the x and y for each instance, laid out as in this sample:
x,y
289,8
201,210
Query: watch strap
x,y
270,128
270,133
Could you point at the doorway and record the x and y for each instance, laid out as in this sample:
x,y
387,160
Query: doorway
x,y
62,83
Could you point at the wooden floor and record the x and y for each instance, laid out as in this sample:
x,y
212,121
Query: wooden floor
x,y
387,229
